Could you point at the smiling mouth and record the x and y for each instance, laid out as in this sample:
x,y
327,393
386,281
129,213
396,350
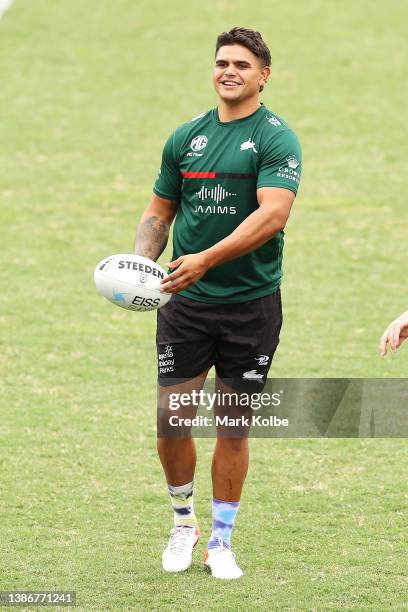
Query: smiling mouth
x,y
230,83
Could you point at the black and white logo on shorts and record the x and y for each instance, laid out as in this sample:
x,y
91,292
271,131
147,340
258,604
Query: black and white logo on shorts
x,y
262,359
166,360
253,375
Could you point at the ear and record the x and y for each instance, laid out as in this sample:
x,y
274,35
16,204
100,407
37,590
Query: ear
x,y
265,72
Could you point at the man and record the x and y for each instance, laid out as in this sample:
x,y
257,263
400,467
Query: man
x,y
229,178
395,334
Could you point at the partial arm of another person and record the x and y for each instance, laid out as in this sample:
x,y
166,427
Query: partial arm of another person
x,y
260,226
395,334
153,230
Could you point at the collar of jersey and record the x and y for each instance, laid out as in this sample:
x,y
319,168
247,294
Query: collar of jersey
x,y
236,121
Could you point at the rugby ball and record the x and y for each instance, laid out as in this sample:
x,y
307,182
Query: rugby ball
x,y
131,281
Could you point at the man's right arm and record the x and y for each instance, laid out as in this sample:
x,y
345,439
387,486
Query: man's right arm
x,y
154,227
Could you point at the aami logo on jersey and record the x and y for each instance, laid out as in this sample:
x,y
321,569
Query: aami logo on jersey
x,y
217,194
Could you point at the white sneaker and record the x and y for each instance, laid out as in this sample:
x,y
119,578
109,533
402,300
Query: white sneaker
x,y
178,555
221,562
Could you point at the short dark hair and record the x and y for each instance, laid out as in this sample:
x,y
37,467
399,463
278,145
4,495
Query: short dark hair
x,y
250,39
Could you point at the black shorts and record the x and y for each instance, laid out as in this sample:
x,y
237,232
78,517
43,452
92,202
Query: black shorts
x,y
238,339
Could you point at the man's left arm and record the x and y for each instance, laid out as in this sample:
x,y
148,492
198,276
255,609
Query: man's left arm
x,y
275,204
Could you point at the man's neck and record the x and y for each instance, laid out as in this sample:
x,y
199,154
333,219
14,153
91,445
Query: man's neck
x,y
230,112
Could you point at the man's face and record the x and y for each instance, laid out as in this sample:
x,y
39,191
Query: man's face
x,y
238,74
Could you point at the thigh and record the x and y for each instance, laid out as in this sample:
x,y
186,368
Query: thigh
x,y
232,411
177,406
248,343
185,347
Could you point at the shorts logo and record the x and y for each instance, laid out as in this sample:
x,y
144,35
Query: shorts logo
x,y
262,359
166,360
199,143
252,375
168,352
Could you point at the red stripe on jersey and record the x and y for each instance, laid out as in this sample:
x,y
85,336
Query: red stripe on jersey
x,y
198,174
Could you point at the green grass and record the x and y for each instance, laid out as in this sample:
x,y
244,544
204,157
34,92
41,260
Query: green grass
x,y
89,92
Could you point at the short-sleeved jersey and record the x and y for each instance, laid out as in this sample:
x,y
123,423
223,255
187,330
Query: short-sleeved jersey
x,y
213,170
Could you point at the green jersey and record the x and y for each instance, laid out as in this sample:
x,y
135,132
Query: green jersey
x,y
213,169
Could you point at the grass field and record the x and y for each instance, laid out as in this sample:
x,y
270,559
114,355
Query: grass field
x,y
88,93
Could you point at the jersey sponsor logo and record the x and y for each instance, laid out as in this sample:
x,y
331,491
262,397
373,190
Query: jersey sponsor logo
x,y
248,144
214,209
217,194
273,121
292,162
289,172
199,143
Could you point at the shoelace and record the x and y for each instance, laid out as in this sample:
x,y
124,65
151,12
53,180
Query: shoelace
x,y
222,550
179,538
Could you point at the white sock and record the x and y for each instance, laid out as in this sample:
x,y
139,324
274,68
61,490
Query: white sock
x,y
183,506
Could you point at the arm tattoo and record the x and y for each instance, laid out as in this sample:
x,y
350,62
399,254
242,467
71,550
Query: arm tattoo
x,y
151,238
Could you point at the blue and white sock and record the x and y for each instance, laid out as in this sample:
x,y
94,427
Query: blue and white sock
x,y
183,507
223,518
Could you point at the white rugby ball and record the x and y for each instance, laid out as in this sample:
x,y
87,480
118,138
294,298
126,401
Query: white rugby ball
x,y
131,281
